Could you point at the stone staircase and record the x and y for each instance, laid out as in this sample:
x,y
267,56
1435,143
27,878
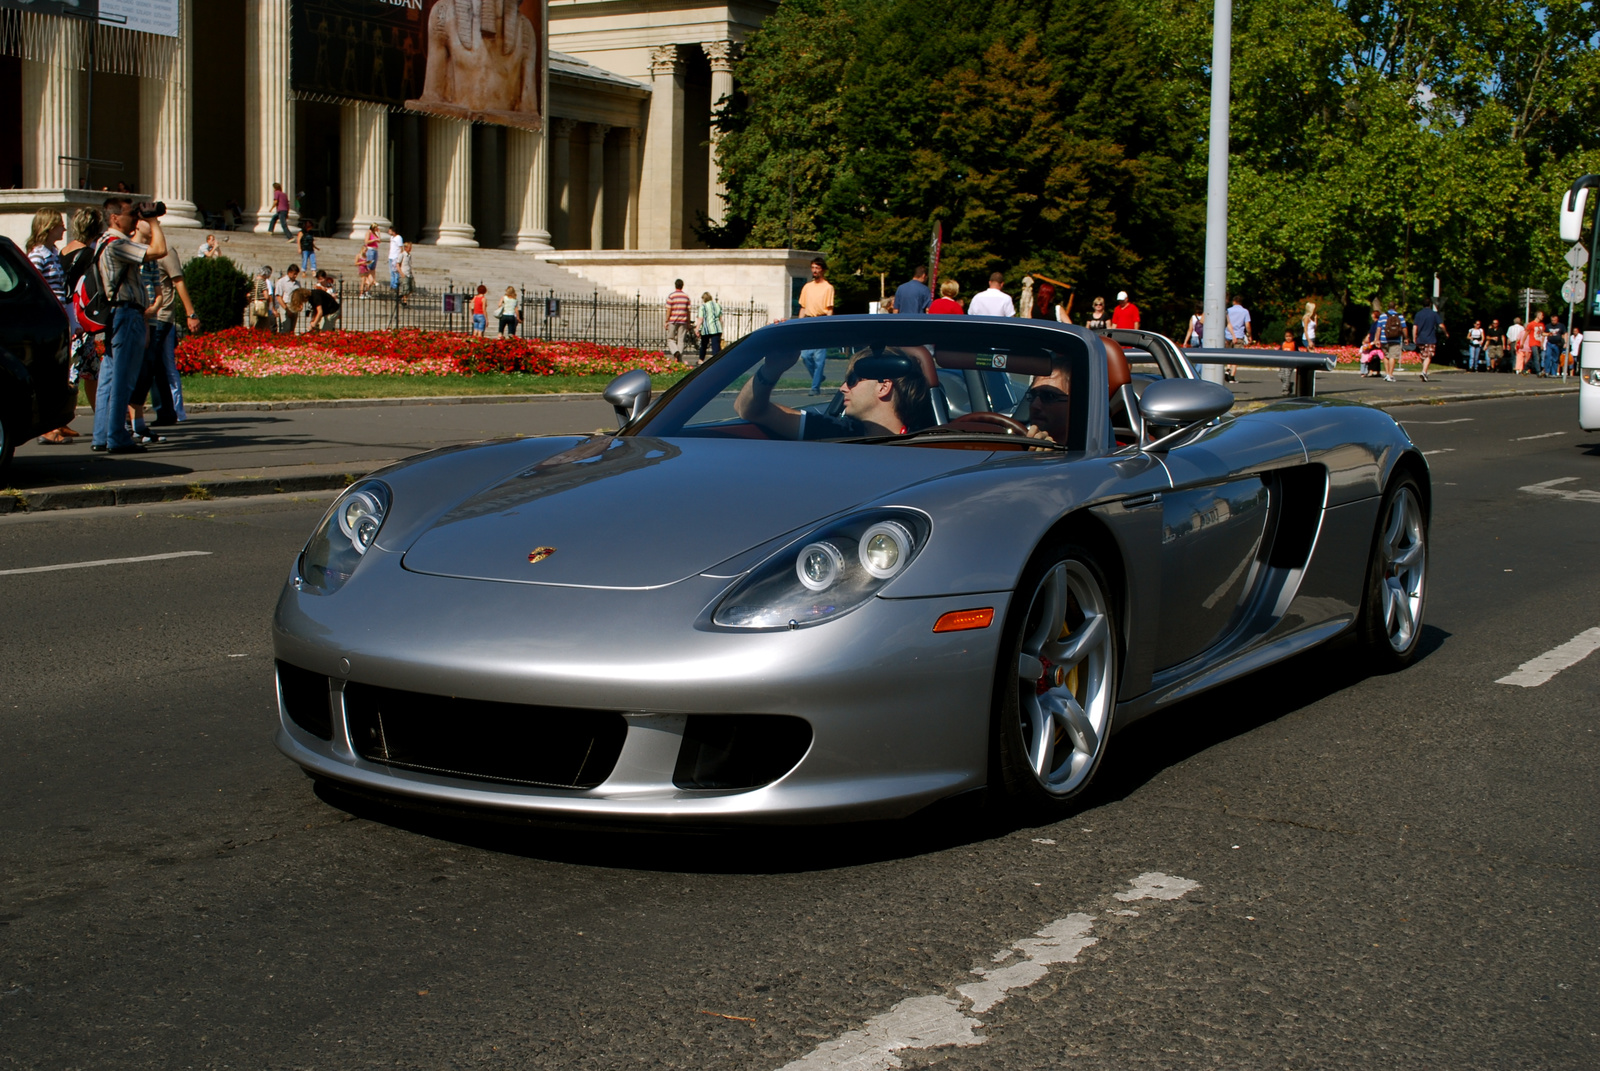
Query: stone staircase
x,y
436,267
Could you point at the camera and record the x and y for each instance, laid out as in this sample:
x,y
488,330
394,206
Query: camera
x,y
150,209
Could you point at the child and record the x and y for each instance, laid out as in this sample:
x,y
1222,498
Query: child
x,y
1371,358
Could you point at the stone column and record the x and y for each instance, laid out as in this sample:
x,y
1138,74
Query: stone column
x,y
720,53
597,185
630,159
268,111
661,202
52,107
527,192
363,170
447,218
561,182
165,129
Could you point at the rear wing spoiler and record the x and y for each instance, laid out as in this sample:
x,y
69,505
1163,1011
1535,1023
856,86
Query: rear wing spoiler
x,y
1305,365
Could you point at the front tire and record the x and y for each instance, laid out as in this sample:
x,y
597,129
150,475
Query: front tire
x,y
1397,576
1056,684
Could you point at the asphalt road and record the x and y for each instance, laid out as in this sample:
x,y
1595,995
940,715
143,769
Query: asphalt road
x,y
1396,870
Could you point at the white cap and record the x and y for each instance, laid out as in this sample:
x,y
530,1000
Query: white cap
x,y
1122,295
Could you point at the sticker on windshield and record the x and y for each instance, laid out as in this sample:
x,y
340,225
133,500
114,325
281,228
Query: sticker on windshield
x,y
990,360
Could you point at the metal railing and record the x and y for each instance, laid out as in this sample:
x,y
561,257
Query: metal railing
x,y
606,319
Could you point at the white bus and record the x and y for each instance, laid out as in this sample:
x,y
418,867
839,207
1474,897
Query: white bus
x,y
1586,325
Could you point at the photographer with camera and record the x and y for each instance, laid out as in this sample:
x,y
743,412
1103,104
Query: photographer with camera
x,y
117,261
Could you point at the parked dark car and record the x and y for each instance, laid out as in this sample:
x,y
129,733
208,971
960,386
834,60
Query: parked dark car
x,y
35,354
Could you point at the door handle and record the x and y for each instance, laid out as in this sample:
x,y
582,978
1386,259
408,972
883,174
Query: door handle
x,y
1141,501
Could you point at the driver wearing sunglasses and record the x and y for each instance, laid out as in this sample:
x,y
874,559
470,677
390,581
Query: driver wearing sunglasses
x,y
1049,401
881,392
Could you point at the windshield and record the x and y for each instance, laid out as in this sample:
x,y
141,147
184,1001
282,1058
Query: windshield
x,y
879,378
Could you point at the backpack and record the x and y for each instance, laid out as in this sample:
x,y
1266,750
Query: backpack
x,y
90,301
1394,329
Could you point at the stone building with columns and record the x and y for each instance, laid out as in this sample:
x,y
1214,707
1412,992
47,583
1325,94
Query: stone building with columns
x,y
613,186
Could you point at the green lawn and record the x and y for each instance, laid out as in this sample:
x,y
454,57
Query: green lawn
x,y
316,388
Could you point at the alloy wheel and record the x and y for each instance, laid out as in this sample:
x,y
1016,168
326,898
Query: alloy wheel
x,y
1065,671
1405,566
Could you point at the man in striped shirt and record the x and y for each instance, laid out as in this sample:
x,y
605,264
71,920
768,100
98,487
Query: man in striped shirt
x,y
677,319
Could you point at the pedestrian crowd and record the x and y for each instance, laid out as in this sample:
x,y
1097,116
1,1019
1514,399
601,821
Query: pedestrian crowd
x,y
120,285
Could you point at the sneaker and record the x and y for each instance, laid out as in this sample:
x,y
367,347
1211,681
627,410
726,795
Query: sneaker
x,y
1424,377
149,437
1388,379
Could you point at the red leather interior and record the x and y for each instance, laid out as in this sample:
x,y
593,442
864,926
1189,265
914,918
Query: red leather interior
x,y
1116,365
920,354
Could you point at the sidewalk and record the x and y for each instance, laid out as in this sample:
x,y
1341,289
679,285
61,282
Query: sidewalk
x,y
233,449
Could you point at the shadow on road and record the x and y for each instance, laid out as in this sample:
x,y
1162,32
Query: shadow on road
x,y
1169,737
1140,754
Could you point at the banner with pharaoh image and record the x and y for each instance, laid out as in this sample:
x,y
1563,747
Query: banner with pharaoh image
x,y
478,60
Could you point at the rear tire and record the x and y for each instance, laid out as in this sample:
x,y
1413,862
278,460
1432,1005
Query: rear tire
x,y
1395,593
1055,685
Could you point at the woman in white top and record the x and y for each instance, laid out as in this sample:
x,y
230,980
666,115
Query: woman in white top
x,y
1308,325
510,312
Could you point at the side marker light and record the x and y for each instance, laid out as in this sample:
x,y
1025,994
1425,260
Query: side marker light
x,y
962,620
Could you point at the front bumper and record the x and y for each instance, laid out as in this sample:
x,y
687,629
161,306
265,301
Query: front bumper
x,y
899,714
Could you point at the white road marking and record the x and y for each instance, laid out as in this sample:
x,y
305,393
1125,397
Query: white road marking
x,y
1548,487
1536,671
107,561
1445,450
935,1021
1457,420
1546,435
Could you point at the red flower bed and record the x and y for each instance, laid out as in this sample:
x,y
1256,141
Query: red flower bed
x,y
241,351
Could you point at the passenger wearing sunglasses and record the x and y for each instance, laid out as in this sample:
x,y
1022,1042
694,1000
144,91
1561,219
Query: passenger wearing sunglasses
x,y
1049,401
882,392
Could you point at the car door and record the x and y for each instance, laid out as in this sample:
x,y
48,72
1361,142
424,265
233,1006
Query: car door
x,y
1214,524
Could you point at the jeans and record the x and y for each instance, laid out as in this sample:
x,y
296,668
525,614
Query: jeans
x,y
118,373
394,275
308,260
1474,353
816,361
278,217
479,322
1552,358
164,349
713,341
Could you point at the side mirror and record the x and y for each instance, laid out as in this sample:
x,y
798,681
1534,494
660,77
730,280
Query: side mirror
x,y
1181,404
1572,206
629,394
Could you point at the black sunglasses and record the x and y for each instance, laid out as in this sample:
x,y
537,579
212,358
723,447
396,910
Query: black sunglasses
x,y
1046,395
853,377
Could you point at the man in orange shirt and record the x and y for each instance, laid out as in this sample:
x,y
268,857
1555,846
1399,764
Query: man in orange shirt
x,y
816,299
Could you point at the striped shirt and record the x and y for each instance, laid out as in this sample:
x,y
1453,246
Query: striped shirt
x,y
48,261
710,318
677,307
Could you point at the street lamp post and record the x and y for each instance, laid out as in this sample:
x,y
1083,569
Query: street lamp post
x,y
1216,284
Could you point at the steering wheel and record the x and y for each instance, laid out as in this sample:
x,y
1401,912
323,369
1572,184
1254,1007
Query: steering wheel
x,y
989,422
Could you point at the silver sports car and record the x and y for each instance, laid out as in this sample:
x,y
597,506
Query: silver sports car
x,y
849,569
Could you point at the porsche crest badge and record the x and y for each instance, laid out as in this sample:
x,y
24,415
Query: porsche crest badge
x,y
539,554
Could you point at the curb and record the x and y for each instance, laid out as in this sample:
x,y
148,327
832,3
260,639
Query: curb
x,y
365,403
1480,396
198,490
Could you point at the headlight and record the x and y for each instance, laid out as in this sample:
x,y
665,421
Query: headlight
x,y
344,535
826,574
1591,376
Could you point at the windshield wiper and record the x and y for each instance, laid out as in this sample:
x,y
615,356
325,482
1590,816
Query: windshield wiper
x,y
955,436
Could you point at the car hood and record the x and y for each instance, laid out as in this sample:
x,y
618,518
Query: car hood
x,y
642,512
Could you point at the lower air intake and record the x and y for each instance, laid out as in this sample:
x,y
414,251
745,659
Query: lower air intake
x,y
739,750
305,700
547,747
